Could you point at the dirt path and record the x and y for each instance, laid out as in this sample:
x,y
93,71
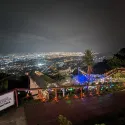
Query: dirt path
x,y
14,117
76,111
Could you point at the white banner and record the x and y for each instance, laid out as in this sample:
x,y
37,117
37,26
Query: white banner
x,y
6,100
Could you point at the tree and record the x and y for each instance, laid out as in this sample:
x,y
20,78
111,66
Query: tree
x,y
115,62
4,86
119,76
118,60
88,61
121,54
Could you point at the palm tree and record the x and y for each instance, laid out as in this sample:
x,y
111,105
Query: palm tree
x,y
88,60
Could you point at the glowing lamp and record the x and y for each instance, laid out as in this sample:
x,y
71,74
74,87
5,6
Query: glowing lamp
x,y
76,97
90,94
27,95
55,99
83,95
67,97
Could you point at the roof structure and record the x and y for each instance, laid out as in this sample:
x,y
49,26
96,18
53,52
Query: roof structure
x,y
39,80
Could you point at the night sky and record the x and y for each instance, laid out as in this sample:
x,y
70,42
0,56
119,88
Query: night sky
x,y
61,25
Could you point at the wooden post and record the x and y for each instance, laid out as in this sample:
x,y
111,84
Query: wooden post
x,y
55,93
56,99
38,94
48,95
81,93
97,89
64,92
16,97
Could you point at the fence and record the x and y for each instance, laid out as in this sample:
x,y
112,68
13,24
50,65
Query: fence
x,y
11,98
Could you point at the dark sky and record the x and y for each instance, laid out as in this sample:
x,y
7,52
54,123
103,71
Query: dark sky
x,y
61,25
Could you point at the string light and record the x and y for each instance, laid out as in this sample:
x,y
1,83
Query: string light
x,y
70,89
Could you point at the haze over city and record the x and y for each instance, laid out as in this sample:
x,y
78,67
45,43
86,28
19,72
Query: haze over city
x,y
61,25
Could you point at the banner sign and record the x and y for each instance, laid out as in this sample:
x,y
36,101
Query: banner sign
x,y
6,100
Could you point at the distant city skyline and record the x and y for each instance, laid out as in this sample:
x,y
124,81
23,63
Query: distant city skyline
x,y
61,25
55,53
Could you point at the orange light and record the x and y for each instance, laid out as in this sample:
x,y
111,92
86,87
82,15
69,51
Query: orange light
x,y
83,95
90,94
27,95
56,99
67,97
76,97
43,99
